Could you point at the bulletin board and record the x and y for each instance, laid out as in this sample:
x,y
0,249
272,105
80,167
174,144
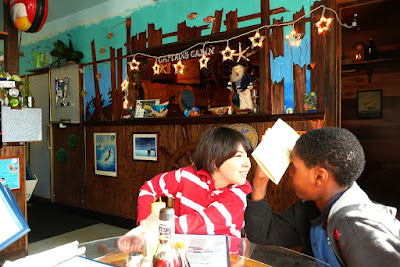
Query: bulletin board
x,y
10,173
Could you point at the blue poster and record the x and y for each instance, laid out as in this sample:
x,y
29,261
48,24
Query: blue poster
x,y
9,172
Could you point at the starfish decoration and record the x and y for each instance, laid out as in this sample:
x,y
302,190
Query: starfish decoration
x,y
203,61
178,67
257,40
227,53
156,68
323,24
134,64
241,53
294,38
125,84
163,68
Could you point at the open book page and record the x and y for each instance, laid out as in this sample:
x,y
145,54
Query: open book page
x,y
273,153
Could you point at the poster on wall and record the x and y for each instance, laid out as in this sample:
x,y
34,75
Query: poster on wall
x,y
10,172
145,146
105,154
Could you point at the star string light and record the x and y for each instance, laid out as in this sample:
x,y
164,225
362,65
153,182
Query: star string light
x,y
294,38
257,40
241,53
227,53
203,61
125,84
178,67
324,23
156,68
134,64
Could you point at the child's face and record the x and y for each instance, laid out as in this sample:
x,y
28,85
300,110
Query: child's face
x,y
233,170
303,182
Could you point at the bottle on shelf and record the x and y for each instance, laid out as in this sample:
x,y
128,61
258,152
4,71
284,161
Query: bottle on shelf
x,y
372,53
354,22
167,254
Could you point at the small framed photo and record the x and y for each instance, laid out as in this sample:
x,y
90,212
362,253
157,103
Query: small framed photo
x,y
105,154
143,109
145,146
369,104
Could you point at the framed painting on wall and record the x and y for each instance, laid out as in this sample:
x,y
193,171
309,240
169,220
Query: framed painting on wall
x,y
145,146
369,104
105,154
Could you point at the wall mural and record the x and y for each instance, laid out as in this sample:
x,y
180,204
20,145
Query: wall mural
x,y
109,31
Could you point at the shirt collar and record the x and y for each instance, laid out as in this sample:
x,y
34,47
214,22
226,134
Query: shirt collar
x,y
323,217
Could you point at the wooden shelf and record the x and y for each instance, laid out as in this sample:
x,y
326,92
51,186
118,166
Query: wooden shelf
x,y
359,63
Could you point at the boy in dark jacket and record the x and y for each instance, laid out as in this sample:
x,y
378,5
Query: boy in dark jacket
x,y
335,221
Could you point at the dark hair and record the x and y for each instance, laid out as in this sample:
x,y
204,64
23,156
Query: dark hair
x,y
335,149
218,145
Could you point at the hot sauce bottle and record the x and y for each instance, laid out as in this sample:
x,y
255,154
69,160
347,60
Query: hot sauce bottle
x,y
167,254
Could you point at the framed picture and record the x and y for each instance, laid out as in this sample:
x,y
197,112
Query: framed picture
x,y
142,109
369,104
105,154
145,146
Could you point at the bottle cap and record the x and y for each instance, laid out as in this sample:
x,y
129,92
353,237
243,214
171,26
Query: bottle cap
x,y
167,214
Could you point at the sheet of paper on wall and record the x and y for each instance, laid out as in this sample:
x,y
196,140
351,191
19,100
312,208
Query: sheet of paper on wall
x,y
273,153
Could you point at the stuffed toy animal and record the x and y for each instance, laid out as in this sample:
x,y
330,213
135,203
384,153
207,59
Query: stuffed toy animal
x,y
242,83
28,15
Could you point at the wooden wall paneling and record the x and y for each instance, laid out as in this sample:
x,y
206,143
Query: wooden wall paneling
x,y
231,20
182,31
20,247
128,36
11,56
98,106
278,95
300,26
318,58
69,175
265,62
155,36
139,41
216,27
114,89
119,82
277,39
299,86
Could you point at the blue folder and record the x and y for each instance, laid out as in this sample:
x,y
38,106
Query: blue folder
x,y
10,212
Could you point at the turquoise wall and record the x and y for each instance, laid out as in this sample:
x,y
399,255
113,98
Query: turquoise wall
x,y
94,24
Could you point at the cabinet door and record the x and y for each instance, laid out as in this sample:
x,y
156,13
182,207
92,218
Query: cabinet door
x,y
68,162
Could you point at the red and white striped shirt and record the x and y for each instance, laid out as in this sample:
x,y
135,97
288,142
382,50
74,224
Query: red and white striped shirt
x,y
200,208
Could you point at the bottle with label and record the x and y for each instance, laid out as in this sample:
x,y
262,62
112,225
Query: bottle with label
x,y
167,254
151,229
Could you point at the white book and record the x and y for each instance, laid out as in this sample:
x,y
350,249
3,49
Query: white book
x,y
273,153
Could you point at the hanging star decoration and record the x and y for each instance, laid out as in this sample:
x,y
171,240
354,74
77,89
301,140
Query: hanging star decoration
x,y
257,40
125,84
294,38
203,61
134,64
241,53
178,67
323,24
156,68
227,53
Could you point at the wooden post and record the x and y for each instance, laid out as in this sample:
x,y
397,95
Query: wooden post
x,y
265,62
114,88
128,36
98,107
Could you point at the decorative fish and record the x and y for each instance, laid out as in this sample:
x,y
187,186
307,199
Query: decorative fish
x,y
98,76
110,35
102,50
209,19
192,15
